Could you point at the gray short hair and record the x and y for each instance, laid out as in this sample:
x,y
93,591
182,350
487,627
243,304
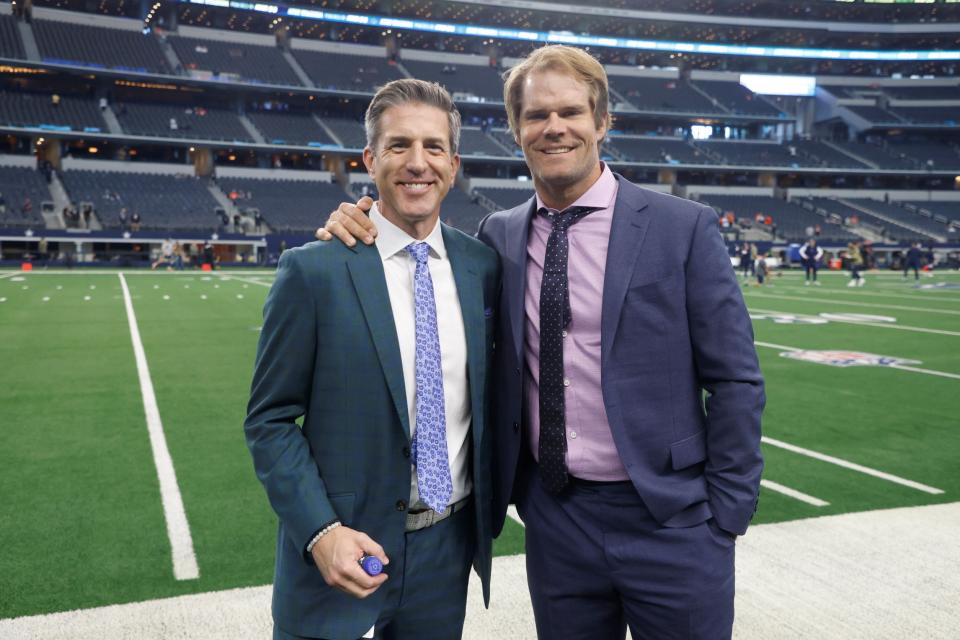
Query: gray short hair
x,y
409,90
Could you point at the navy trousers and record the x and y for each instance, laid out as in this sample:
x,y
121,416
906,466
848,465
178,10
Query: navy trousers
x,y
597,562
427,590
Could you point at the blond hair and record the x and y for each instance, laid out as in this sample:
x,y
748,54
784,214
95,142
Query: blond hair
x,y
579,64
410,90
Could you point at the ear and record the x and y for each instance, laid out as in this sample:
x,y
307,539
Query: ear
x,y
455,162
604,128
370,162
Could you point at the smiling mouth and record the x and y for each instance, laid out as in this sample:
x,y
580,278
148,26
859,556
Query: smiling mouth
x,y
557,150
416,186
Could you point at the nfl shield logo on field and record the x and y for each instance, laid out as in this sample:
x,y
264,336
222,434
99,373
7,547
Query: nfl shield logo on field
x,y
847,358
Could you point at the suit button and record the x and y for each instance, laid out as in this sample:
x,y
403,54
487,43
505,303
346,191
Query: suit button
x,y
401,505
406,452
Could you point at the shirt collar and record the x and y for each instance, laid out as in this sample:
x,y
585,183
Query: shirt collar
x,y
391,239
599,196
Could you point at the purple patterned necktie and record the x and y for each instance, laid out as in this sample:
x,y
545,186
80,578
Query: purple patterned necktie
x,y
429,448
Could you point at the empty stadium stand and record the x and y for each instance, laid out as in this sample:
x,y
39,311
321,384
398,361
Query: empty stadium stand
x,y
22,191
481,81
889,229
658,150
821,154
22,109
346,72
262,64
897,213
99,47
663,94
505,198
350,132
473,142
164,202
198,122
737,98
462,211
878,156
290,206
11,45
747,153
290,128
791,219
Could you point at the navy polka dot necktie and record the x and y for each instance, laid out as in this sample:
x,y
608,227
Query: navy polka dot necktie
x,y
554,317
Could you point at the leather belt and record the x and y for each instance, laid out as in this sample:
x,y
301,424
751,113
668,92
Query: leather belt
x,y
428,517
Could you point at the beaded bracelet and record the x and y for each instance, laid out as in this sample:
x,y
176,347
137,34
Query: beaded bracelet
x,y
327,529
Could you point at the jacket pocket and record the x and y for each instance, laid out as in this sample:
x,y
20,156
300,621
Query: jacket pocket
x,y
342,503
689,451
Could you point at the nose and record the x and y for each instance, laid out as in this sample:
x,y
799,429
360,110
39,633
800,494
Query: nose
x,y
555,125
416,159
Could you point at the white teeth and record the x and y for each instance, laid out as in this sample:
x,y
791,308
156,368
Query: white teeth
x,y
562,150
416,185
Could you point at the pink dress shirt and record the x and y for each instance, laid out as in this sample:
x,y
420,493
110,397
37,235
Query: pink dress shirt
x,y
591,452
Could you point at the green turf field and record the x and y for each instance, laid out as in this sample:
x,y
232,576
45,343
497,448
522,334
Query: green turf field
x,y
81,513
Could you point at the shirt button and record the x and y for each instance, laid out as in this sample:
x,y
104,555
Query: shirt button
x,y
516,427
566,382
564,334
573,434
401,505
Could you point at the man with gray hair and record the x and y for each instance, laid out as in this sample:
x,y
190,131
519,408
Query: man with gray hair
x,y
398,474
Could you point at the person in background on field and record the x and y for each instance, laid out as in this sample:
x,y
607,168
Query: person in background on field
x,y
810,255
855,257
913,260
762,269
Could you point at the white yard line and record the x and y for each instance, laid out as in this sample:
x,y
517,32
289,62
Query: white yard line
x,y
874,294
871,305
846,464
178,529
514,515
13,273
942,374
793,493
929,372
262,284
882,325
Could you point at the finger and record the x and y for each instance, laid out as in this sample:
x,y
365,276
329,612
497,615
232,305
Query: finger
x,y
357,224
365,203
371,548
323,234
358,213
336,228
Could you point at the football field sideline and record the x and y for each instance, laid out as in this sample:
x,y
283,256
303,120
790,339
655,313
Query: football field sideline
x,y
875,575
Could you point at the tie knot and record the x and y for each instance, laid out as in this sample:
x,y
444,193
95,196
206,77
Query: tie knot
x,y
567,217
419,251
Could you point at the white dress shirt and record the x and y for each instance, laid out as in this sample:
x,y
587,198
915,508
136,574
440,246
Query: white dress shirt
x,y
398,267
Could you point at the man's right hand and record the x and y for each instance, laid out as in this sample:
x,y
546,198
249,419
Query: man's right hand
x,y
350,223
337,555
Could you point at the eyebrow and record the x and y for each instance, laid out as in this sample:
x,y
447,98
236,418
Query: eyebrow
x,y
401,139
563,109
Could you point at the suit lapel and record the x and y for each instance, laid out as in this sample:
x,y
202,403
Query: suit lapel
x,y
515,269
470,293
370,284
626,237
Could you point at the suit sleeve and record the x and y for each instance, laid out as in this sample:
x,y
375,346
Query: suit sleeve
x,y
279,395
726,361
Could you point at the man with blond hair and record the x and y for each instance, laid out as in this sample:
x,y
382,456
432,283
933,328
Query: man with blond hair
x,y
399,473
628,395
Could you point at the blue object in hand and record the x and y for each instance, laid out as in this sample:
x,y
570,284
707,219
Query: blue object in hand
x,y
372,565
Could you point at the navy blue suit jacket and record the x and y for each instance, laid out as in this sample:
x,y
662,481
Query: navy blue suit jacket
x,y
680,379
